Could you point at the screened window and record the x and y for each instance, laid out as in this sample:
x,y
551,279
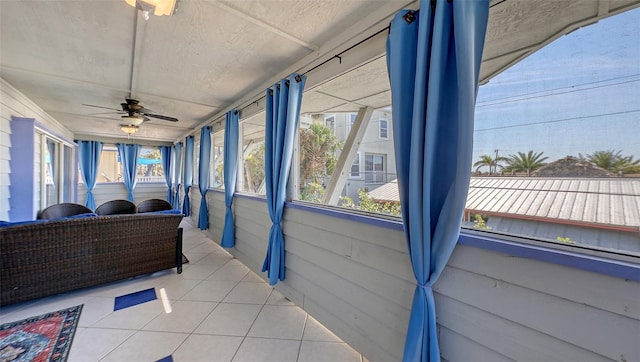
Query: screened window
x,y
320,151
109,169
196,161
251,173
57,165
556,154
216,177
149,167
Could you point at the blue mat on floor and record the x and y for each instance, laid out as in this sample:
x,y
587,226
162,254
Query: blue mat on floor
x,y
166,359
129,300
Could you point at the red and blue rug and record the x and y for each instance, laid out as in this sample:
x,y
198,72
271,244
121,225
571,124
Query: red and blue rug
x,y
45,337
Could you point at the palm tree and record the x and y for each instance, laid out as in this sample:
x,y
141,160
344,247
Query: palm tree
x,y
528,162
318,146
486,160
612,160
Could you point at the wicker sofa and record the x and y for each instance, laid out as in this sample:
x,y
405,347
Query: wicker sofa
x,y
49,257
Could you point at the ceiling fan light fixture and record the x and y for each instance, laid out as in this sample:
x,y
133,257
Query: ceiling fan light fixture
x,y
132,120
157,7
129,129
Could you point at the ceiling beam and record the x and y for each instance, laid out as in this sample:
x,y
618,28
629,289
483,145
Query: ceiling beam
x,y
251,103
106,139
266,26
139,26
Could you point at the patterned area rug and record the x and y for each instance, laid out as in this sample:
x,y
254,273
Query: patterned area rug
x,y
45,337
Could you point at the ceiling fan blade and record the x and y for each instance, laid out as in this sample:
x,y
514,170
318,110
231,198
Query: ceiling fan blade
x,y
164,118
101,113
91,105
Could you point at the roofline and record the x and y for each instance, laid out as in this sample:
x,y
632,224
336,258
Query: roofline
x,y
630,229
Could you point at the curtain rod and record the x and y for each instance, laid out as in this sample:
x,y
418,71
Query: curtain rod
x,y
387,28
339,56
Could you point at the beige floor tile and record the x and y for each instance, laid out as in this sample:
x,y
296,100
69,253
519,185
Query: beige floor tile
x,y
146,346
253,277
267,350
314,331
284,322
185,316
230,271
210,291
249,293
327,352
92,344
229,319
207,348
199,271
276,298
134,317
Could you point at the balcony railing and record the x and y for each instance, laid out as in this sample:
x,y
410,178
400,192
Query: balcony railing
x,y
150,179
377,177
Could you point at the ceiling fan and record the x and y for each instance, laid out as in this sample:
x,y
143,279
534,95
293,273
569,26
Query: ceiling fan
x,y
135,113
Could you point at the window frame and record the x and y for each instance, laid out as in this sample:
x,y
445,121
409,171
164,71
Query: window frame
x,y
213,172
373,171
240,179
333,122
386,128
63,181
359,175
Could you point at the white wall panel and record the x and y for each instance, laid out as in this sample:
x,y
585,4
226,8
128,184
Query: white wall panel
x,y
15,104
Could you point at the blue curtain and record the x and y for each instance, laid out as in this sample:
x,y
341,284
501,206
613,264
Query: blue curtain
x,y
177,175
203,176
89,156
188,175
129,158
433,58
165,155
281,125
230,175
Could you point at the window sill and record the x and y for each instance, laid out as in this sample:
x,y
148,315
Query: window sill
x,y
256,197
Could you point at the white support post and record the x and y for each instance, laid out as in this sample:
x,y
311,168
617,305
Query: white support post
x,y
343,168
293,187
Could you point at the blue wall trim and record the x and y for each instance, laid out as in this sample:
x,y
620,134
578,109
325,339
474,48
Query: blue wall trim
x,y
615,268
596,264
21,165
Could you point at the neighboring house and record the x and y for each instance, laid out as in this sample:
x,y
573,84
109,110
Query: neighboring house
x,y
602,211
374,163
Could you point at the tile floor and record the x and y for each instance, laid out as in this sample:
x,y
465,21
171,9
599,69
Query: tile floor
x,y
221,311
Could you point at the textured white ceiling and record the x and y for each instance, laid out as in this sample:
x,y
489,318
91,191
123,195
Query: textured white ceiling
x,y
211,54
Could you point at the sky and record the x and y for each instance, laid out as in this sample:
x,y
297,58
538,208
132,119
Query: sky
x,y
577,95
